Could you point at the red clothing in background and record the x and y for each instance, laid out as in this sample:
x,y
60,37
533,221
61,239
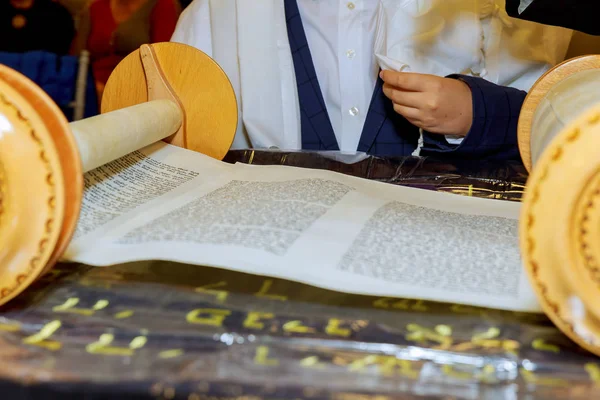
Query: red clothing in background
x,y
163,20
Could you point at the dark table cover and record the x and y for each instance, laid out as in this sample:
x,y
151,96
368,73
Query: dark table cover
x,y
160,330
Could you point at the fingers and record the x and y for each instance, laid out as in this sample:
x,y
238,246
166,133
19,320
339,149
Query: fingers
x,y
430,102
411,114
408,99
405,80
407,104
424,101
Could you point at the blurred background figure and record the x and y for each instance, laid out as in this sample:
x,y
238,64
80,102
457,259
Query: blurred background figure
x,y
111,29
28,25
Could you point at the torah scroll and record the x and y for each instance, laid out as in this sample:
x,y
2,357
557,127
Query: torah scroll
x,y
163,201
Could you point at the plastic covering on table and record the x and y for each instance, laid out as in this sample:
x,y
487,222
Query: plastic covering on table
x,y
160,330
488,180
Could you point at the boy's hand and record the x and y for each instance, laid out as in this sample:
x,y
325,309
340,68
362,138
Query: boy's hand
x,y
435,104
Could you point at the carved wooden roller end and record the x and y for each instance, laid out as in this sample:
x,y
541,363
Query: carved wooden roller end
x,y
559,139
164,91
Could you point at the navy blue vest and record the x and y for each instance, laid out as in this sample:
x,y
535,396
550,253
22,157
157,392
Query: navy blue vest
x,y
385,133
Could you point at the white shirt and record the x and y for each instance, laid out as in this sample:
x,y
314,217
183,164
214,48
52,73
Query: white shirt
x,y
341,37
256,56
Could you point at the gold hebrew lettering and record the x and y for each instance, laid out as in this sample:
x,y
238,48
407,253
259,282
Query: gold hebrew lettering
x,y
124,314
297,327
441,334
541,345
264,291
170,353
593,371
12,327
69,307
208,316
387,365
41,338
262,357
253,320
405,304
333,328
312,362
103,346
221,295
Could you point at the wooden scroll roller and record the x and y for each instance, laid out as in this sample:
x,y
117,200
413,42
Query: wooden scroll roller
x,y
164,91
559,140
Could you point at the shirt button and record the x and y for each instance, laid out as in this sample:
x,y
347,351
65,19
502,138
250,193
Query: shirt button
x,y
353,111
351,6
350,54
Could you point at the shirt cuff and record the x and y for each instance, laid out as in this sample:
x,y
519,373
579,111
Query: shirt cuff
x,y
454,140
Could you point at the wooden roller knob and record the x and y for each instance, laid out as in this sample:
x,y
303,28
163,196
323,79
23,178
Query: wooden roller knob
x,y
190,78
163,91
559,140
563,85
